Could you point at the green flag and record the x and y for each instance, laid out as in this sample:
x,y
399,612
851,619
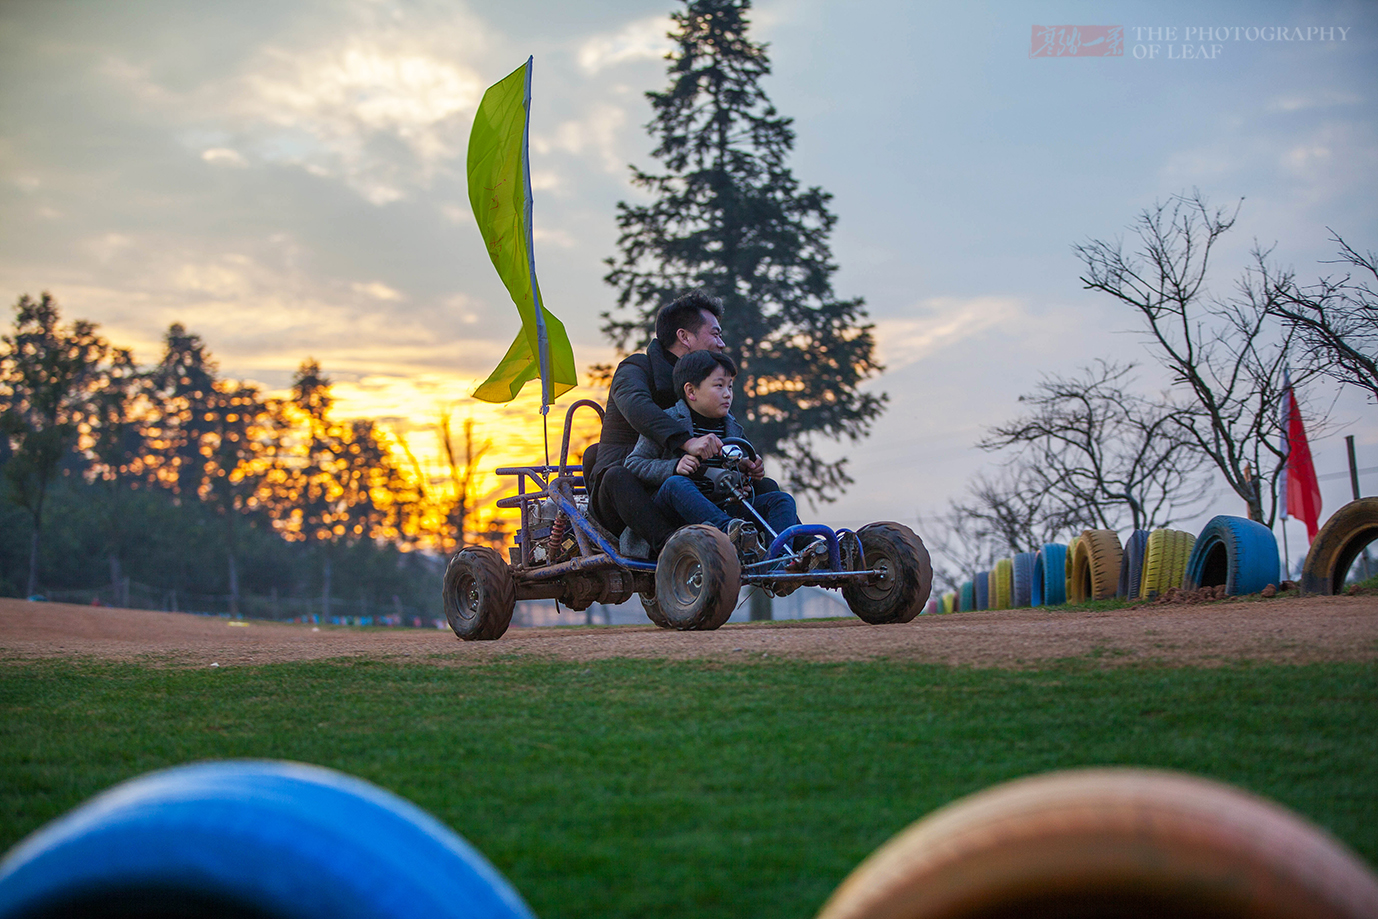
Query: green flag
x,y
500,194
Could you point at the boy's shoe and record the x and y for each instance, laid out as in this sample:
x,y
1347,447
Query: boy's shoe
x,y
745,538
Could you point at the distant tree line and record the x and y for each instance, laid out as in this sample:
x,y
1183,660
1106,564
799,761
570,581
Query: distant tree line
x,y
173,476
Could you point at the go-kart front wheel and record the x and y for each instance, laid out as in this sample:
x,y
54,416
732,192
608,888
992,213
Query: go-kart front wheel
x,y
479,594
697,578
899,591
652,608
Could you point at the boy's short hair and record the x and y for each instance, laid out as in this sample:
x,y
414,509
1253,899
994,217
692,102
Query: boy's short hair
x,y
685,312
697,366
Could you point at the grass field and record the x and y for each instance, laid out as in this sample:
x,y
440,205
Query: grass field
x,y
621,788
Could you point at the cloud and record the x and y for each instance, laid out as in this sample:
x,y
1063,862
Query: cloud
x,y
598,132
902,341
224,156
645,39
377,291
1325,98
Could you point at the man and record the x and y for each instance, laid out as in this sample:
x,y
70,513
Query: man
x,y
642,389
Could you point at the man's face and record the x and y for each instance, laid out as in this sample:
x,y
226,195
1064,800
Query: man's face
x,y
713,397
707,338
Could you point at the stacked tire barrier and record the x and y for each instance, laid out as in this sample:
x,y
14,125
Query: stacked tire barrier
x,y
1240,554
1337,545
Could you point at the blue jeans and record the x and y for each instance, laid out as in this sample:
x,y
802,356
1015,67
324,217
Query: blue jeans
x,y
681,496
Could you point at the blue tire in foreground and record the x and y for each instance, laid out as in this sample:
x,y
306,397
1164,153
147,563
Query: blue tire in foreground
x,y
252,838
1132,565
966,597
1049,586
982,582
1238,553
1023,580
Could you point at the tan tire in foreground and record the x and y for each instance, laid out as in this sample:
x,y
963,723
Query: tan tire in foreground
x,y
1095,566
1109,842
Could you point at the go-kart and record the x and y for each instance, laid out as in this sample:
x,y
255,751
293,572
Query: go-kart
x,y
563,553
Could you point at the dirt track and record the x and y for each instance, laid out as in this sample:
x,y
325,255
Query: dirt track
x,y
1286,630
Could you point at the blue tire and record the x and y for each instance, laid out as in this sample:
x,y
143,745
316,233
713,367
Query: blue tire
x,y
982,582
966,598
1132,565
265,838
1238,553
1049,576
1023,580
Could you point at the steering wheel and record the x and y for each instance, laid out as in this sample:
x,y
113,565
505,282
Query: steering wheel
x,y
742,444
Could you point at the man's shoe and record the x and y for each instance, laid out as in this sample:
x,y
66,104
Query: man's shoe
x,y
811,557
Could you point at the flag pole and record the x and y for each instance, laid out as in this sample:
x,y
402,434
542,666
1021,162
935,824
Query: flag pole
x,y
542,340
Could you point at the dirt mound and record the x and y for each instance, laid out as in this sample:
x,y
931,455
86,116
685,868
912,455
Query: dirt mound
x,y
1285,630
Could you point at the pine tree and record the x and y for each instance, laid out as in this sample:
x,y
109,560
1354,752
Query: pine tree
x,y
729,216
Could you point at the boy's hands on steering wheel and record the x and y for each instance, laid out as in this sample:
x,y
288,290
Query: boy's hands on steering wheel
x,y
705,446
756,468
688,464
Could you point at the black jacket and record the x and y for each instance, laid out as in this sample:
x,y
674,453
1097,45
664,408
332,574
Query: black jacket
x,y
642,389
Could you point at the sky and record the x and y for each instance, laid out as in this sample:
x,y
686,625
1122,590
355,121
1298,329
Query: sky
x,y
286,179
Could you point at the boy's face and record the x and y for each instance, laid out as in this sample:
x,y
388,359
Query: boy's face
x,y
713,397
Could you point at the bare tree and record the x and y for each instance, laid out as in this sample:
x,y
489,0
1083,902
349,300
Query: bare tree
x,y
1227,354
999,516
1094,451
1335,320
463,473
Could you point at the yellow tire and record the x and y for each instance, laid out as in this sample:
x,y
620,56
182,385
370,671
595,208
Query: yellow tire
x,y
1002,584
1165,562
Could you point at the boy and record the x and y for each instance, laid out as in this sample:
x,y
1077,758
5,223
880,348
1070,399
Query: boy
x,y
703,380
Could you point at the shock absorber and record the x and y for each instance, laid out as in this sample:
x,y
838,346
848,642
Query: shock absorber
x,y
557,536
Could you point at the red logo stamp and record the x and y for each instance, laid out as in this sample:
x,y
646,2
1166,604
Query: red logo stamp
x,y
1077,41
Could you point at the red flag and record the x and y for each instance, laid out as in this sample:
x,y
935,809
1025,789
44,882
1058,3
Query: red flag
x,y
1303,490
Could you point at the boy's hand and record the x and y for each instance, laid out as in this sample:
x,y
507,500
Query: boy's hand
x,y
756,468
687,465
705,446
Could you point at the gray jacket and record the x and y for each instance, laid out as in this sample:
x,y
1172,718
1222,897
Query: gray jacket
x,y
652,463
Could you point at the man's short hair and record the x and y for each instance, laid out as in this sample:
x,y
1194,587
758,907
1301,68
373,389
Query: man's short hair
x,y
697,366
686,313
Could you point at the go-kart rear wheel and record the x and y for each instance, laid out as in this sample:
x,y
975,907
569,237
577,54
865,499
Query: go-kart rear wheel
x,y
906,578
697,578
479,594
652,608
